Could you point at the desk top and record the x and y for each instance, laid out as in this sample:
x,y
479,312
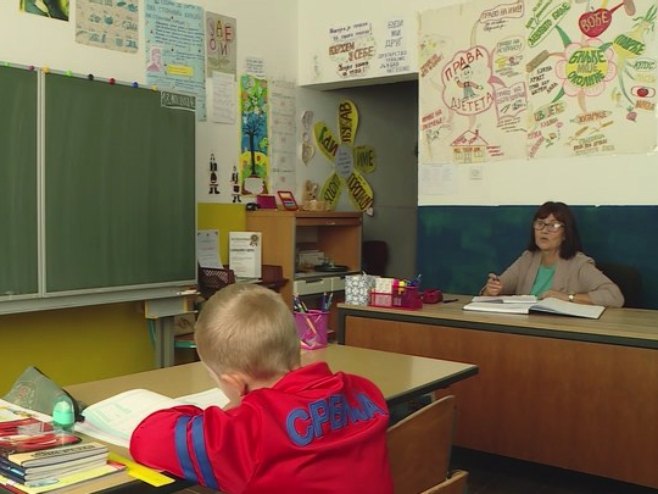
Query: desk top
x,y
400,377
632,327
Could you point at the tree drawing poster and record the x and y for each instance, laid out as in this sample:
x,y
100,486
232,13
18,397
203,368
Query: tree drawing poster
x,y
537,79
254,139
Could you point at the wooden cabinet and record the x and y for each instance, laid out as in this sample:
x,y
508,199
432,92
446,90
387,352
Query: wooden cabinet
x,y
337,234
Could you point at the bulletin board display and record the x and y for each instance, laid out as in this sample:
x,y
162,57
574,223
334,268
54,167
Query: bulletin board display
x,y
544,79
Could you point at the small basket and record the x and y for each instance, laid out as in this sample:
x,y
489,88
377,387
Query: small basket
x,y
212,279
405,298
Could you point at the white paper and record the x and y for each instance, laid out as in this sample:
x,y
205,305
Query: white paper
x,y
207,249
245,254
224,97
437,179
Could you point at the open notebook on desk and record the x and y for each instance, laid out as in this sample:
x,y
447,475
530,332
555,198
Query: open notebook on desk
x,y
114,419
524,304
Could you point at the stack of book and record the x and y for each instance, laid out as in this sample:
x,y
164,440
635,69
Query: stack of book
x,y
35,459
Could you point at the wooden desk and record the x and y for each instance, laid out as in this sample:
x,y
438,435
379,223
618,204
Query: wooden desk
x,y
400,377
574,393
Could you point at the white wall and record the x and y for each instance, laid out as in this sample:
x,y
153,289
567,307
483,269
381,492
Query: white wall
x,y
266,29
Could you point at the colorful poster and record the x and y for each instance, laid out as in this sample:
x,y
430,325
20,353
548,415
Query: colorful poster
x,y
349,162
221,44
254,140
54,9
175,58
536,79
111,24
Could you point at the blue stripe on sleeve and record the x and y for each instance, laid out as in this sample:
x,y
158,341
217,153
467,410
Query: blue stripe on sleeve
x,y
201,453
182,451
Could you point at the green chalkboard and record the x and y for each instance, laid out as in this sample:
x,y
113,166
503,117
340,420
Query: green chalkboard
x,y
119,175
18,182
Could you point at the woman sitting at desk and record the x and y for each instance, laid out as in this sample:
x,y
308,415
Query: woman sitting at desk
x,y
554,266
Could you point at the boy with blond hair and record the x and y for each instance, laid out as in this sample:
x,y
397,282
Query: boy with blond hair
x,y
287,429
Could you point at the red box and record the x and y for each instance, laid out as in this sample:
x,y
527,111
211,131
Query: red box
x,y
404,298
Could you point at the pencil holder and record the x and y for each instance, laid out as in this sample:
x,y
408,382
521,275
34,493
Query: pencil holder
x,y
312,328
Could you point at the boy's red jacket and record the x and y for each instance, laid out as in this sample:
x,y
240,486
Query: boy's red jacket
x,y
312,432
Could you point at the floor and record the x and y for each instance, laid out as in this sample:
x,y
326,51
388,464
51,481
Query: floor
x,y
490,474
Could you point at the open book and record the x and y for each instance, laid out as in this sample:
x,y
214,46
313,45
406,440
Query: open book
x,y
550,305
114,419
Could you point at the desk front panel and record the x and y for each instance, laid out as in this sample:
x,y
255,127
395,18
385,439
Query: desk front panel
x,y
581,405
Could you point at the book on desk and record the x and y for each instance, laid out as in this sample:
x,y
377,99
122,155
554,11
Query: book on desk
x,y
525,304
35,457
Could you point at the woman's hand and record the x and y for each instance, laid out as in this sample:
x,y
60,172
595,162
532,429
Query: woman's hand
x,y
494,286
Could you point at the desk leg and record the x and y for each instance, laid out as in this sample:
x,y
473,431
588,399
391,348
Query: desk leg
x,y
164,341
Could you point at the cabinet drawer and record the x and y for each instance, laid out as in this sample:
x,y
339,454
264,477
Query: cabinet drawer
x,y
329,221
318,285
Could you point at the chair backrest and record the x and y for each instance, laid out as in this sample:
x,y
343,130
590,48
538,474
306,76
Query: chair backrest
x,y
419,447
374,255
627,278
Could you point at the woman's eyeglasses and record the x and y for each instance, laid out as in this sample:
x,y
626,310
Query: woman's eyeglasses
x,y
552,226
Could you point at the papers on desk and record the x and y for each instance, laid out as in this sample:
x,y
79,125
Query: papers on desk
x,y
114,419
550,305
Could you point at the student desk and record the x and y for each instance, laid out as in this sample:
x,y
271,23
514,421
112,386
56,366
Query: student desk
x,y
400,377
574,393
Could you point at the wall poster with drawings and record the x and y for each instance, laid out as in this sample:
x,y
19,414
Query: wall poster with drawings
x,y
537,79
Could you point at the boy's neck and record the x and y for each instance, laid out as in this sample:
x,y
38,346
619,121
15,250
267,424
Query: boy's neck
x,y
254,384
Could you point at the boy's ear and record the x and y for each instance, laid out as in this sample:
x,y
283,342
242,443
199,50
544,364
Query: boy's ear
x,y
237,381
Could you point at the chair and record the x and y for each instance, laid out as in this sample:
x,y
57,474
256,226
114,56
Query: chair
x,y
627,278
374,255
419,449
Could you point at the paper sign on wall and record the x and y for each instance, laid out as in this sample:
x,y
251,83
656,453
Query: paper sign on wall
x,y
245,254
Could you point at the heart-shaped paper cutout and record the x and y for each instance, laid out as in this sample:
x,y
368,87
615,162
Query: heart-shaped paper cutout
x,y
592,24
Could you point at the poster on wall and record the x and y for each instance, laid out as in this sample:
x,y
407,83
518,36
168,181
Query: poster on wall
x,y
352,49
254,140
175,57
393,57
536,79
349,162
53,9
112,24
221,44
282,135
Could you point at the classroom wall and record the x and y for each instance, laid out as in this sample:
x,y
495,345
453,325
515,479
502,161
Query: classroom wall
x,y
76,345
464,228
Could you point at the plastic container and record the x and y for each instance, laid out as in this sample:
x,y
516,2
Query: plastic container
x,y
312,328
405,298
63,414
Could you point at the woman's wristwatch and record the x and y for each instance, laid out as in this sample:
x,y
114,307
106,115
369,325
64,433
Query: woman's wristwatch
x,y
571,297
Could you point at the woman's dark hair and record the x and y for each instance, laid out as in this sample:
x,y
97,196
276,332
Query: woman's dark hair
x,y
571,244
